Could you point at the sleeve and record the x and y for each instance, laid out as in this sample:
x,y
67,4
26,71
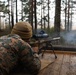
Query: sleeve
x,y
29,60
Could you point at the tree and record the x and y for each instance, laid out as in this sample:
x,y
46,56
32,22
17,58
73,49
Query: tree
x,y
22,11
41,14
9,10
5,10
25,9
68,15
12,13
57,21
31,12
16,12
48,14
35,16
65,14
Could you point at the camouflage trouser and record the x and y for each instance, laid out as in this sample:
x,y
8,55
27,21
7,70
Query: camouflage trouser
x,y
32,67
35,69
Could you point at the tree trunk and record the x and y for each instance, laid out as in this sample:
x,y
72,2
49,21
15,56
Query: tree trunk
x,y
31,12
48,14
57,17
9,12
12,14
16,13
35,16
41,15
71,17
68,15
65,15
22,11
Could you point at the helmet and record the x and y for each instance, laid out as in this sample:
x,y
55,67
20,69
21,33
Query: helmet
x,y
23,29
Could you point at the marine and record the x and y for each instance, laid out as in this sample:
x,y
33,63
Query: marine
x,y
15,50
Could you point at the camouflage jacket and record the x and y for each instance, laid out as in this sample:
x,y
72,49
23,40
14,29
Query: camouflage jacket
x,y
13,50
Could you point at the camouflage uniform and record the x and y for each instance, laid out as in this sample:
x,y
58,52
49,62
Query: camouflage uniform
x,y
13,50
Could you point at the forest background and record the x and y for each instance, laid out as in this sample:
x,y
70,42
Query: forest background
x,y
50,15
